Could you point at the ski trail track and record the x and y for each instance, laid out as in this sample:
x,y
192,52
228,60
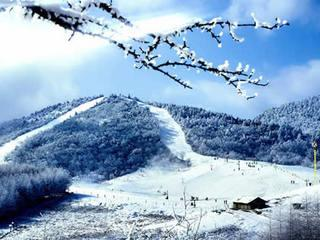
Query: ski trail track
x,y
7,148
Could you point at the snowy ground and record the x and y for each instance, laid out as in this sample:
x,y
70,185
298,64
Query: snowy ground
x,y
135,205
10,146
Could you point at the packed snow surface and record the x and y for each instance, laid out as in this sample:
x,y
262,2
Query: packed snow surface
x,y
10,146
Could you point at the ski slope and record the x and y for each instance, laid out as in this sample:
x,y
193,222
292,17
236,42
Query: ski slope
x,y
10,146
208,176
218,180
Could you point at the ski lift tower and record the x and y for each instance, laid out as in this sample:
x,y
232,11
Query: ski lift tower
x,y
315,149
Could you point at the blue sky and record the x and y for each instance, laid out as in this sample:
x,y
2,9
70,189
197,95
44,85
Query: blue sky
x,y
39,67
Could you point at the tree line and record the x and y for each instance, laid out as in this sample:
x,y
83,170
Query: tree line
x,y
23,184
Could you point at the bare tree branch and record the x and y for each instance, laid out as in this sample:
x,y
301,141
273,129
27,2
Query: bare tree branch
x,y
78,17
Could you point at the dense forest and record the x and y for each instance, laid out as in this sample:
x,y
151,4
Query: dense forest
x,y
111,139
218,134
10,130
22,185
304,115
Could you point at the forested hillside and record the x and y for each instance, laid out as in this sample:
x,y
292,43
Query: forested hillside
x,y
304,115
118,136
218,134
111,139
16,127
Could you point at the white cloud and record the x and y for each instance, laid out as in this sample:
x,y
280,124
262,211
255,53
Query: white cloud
x,y
34,41
161,24
30,42
32,88
157,16
294,82
268,9
142,6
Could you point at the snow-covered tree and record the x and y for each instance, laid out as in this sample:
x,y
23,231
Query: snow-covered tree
x,y
101,19
113,139
22,185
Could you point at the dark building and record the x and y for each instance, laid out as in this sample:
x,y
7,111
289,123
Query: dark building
x,y
249,203
297,205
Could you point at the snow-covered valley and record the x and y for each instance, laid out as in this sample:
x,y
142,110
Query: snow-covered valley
x,y
156,200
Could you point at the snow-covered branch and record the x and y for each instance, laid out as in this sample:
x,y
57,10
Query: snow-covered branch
x,y
81,17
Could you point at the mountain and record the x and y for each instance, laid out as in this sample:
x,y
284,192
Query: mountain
x,y
167,201
222,135
116,135
113,138
304,115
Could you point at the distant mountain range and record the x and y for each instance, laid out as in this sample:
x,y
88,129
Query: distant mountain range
x,y
120,135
